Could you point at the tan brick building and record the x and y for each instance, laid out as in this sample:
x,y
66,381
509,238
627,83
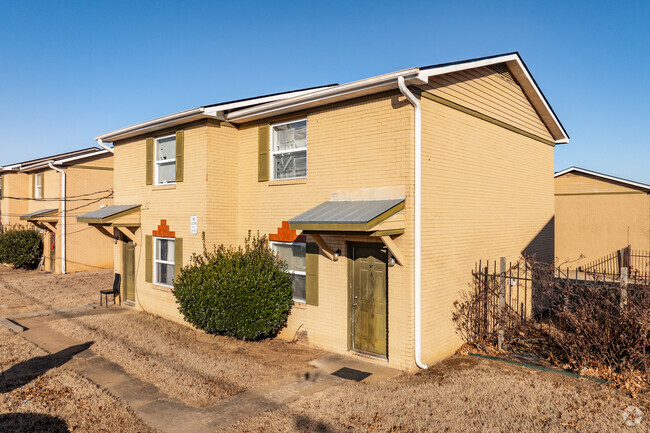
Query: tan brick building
x,y
597,214
380,193
32,194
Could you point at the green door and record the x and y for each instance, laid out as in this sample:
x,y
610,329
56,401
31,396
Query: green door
x,y
369,299
128,271
52,252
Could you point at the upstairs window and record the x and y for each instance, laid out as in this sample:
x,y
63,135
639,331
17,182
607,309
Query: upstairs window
x,y
289,150
294,254
38,186
166,160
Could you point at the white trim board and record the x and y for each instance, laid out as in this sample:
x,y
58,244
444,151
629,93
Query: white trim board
x,y
603,176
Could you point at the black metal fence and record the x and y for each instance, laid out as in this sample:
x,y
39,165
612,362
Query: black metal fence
x,y
608,267
506,295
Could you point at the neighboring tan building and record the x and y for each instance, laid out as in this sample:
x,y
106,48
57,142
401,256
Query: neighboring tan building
x,y
597,215
32,192
380,212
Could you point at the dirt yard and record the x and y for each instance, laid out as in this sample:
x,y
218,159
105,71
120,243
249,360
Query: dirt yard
x,y
31,291
197,368
461,394
59,400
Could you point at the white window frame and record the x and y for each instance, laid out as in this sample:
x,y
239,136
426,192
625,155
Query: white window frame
x,y
157,163
156,261
38,186
279,152
289,271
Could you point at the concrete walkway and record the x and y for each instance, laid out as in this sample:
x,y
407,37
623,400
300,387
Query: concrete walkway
x,y
171,415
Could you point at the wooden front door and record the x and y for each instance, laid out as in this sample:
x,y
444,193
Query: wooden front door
x,y
128,271
369,299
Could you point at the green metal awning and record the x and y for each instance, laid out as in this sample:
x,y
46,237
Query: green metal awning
x,y
40,214
346,216
112,215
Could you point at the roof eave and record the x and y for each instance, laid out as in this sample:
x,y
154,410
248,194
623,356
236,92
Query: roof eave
x,y
603,176
45,164
523,77
155,124
351,90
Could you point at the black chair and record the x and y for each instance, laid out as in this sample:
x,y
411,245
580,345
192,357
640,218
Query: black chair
x,y
115,291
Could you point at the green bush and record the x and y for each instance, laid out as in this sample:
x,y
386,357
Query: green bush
x,y
239,292
21,247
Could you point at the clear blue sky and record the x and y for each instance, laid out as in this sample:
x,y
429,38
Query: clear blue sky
x,y
72,70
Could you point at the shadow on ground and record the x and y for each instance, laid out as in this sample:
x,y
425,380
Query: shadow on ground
x,y
26,371
304,423
32,423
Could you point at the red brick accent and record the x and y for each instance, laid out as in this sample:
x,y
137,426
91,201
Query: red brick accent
x,y
285,234
163,230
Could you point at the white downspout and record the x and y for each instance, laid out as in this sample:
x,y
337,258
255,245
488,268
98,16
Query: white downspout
x,y
63,216
101,144
418,221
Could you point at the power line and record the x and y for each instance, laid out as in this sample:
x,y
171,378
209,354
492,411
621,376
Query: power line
x,y
79,197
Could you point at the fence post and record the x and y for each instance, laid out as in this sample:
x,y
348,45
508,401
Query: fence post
x,y
624,279
502,301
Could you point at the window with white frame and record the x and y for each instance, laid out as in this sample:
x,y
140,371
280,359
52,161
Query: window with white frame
x,y
166,160
294,254
289,150
38,186
164,261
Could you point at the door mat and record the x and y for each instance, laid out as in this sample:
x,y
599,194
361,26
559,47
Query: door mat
x,y
351,374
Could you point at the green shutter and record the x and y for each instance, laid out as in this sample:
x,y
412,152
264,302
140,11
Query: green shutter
x,y
311,269
42,184
149,161
2,187
178,256
148,258
180,145
33,185
263,153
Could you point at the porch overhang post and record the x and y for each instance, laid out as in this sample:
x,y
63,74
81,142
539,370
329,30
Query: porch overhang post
x,y
394,250
327,250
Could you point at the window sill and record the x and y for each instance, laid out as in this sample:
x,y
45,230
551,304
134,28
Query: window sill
x,y
162,288
164,187
300,181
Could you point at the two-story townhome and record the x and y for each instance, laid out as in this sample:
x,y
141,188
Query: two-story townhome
x,y
50,193
381,194
598,214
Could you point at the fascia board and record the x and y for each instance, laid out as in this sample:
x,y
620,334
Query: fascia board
x,y
325,96
603,176
524,78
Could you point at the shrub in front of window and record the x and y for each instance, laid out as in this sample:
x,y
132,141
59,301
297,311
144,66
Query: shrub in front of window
x,y
242,292
21,248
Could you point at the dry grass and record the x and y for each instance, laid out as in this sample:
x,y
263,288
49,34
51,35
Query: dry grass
x,y
31,291
59,400
196,368
462,394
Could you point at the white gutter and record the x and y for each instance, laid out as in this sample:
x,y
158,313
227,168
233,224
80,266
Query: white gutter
x,y
63,216
101,144
418,221
327,95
